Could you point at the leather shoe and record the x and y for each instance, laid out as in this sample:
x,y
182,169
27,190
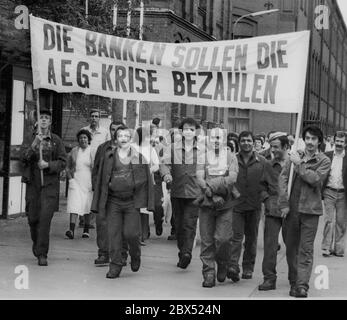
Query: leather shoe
x,y
301,292
172,237
184,261
101,260
34,251
247,275
135,264
326,253
159,229
340,255
222,271
113,272
42,261
292,291
69,234
267,285
209,281
233,274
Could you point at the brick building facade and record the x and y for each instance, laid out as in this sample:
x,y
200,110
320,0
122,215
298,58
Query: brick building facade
x,y
326,95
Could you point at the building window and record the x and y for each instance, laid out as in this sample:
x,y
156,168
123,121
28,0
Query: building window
x,y
197,112
238,120
215,114
287,6
202,15
183,3
183,110
204,113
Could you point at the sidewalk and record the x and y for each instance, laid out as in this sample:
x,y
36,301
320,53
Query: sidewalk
x,y
71,273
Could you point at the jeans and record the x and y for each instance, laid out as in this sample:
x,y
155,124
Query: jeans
x,y
299,234
215,234
40,214
186,217
145,230
123,219
158,213
245,224
271,231
335,226
101,235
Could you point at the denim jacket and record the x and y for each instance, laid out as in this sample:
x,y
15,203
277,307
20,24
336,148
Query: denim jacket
x,y
313,172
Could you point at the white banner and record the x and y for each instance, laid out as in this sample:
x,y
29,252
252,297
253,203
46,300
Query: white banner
x,y
263,73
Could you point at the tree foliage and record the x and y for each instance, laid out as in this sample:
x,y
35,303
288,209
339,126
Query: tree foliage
x,y
15,44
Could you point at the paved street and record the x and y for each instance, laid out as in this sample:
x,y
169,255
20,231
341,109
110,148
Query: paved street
x,y
71,273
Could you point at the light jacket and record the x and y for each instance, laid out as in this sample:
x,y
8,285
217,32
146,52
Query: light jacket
x,y
330,155
221,184
312,173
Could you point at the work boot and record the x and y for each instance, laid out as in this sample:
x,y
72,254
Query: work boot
x,y
113,272
267,285
69,234
34,250
101,260
221,256
222,271
42,261
209,280
233,274
292,291
135,264
184,261
159,229
247,275
301,292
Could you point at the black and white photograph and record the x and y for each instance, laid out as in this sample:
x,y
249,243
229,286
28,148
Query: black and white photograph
x,y
174,151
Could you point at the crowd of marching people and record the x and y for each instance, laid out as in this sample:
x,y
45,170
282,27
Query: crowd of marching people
x,y
226,182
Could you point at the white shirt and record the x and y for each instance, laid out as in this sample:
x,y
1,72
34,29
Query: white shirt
x,y
99,136
335,178
150,155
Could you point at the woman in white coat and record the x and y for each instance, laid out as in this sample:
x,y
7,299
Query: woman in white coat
x,y
79,172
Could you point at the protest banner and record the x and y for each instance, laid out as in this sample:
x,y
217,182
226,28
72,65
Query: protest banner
x,y
263,73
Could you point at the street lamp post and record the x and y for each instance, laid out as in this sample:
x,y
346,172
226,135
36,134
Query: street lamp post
x,y
252,14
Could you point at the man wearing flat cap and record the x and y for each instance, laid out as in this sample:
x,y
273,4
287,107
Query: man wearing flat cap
x,y
42,195
279,146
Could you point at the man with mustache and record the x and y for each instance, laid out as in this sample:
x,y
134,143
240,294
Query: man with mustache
x,y
303,208
334,195
252,184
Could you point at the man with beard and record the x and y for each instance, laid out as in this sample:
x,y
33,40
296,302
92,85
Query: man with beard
x,y
334,195
303,208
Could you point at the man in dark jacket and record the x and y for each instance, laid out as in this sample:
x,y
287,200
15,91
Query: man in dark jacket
x,y
101,223
123,187
42,199
246,214
216,178
179,168
335,195
303,208
279,146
